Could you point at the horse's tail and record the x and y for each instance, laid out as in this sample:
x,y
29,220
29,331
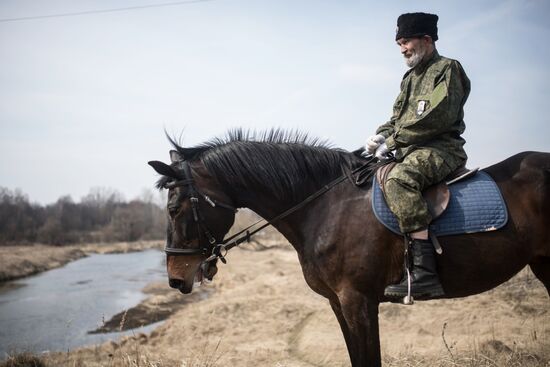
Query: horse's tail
x,y
546,174
532,168
539,162
546,187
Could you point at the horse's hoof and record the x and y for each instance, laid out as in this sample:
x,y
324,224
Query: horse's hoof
x,y
408,300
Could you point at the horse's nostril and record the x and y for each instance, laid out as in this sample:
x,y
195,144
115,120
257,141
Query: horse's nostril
x,y
175,283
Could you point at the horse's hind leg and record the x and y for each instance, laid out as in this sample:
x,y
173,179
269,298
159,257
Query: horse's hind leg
x,y
541,269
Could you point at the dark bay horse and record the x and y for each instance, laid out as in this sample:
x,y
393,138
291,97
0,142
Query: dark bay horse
x,y
345,253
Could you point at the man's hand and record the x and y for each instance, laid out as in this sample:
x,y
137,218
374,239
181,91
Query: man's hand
x,y
382,152
373,142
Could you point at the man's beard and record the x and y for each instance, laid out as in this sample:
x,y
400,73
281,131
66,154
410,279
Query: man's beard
x,y
416,57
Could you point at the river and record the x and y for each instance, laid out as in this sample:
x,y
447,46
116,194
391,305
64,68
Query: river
x,y
55,310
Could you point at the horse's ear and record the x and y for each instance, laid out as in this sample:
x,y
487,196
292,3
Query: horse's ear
x,y
163,169
175,156
358,152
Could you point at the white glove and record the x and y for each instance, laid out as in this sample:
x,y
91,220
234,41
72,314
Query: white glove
x,y
382,152
373,142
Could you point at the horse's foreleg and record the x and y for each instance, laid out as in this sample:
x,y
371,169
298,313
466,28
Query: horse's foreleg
x,y
337,309
361,316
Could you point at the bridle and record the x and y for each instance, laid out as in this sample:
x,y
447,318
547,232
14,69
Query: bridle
x,y
193,196
216,250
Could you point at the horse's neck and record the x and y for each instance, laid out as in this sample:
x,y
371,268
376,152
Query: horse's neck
x,y
300,227
268,208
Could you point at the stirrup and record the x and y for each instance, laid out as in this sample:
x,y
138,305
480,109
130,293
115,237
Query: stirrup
x,y
408,299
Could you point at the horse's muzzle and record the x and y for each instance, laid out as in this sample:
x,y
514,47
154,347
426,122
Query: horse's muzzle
x,y
181,285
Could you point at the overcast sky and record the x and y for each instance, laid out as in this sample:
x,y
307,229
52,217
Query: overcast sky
x,y
84,99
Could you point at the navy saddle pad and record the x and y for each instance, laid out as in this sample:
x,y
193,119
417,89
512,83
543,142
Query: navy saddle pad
x,y
476,205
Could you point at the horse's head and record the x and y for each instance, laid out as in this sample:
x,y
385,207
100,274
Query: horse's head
x,y
199,216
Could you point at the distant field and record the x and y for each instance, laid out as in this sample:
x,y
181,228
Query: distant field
x,y
21,261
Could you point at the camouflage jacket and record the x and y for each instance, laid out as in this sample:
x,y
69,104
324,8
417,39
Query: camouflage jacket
x,y
428,112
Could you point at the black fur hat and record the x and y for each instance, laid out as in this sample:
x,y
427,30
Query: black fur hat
x,y
416,25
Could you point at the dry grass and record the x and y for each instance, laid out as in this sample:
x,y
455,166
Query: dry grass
x,y
535,352
23,360
472,358
492,353
208,356
130,352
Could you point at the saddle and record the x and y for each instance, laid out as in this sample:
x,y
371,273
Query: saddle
x,y
437,196
467,201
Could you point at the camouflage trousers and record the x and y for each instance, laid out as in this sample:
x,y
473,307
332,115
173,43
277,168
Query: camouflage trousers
x,y
406,181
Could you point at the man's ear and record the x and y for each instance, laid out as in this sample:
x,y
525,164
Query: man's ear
x,y
163,169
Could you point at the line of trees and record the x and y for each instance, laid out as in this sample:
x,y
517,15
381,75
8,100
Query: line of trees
x,y
100,216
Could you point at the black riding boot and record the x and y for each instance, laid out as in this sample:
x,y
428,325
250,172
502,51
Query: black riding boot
x,y
424,281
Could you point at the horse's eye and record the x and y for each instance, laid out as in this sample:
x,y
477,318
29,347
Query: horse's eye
x,y
173,210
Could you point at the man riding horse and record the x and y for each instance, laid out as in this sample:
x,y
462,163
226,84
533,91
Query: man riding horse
x,y
425,133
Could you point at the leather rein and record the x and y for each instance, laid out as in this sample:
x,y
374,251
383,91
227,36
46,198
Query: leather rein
x,y
219,250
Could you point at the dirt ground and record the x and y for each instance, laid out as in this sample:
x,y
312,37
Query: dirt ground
x,y
260,312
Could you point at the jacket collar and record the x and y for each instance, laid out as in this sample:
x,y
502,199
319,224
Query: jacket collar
x,y
420,68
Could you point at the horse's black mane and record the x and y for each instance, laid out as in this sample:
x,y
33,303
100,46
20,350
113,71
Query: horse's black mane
x,y
289,164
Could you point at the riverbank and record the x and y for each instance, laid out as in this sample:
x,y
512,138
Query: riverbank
x,y
21,261
161,303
